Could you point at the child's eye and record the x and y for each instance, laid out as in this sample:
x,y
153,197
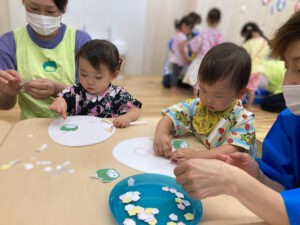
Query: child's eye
x,y
98,78
34,9
83,75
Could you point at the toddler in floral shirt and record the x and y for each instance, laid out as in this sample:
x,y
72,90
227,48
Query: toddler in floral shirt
x,y
95,95
217,118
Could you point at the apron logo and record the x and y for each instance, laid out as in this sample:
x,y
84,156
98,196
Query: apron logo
x,y
49,66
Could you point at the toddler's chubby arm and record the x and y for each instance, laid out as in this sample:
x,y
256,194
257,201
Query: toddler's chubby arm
x,y
59,105
183,154
124,120
162,142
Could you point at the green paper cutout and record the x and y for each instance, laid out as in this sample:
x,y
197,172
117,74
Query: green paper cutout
x,y
107,174
178,143
69,127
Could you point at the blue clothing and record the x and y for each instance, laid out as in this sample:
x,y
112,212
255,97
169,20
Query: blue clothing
x,y
8,45
281,160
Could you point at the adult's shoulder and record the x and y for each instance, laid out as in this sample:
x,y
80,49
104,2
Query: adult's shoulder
x,y
7,40
288,122
81,38
8,51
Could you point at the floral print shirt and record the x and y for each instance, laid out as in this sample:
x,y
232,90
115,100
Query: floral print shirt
x,y
113,102
235,126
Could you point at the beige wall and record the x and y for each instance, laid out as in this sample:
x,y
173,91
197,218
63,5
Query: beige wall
x,y
158,28
160,20
161,15
4,16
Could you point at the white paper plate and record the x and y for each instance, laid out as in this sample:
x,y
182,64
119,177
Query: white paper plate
x,y
138,153
80,130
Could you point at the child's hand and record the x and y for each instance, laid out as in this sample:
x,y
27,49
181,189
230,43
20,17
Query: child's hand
x,y
183,154
122,121
162,144
60,106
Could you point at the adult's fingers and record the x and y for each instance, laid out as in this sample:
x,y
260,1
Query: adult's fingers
x,y
240,156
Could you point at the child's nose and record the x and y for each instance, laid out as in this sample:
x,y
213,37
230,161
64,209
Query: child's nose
x,y
90,81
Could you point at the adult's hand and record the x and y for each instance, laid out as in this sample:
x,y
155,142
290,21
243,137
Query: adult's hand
x,y
40,88
202,178
10,82
243,161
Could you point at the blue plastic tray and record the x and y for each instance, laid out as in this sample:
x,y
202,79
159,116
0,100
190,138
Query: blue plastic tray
x,y
152,196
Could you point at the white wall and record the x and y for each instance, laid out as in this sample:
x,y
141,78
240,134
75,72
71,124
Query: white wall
x,y
146,26
120,21
235,13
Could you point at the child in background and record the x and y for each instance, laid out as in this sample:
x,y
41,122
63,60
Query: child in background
x,y
257,46
218,118
167,69
271,81
99,64
196,22
179,54
200,44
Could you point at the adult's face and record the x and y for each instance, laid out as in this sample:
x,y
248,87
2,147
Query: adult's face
x,y
42,7
292,64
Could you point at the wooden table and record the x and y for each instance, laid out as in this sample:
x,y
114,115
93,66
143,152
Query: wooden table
x,y
5,128
32,197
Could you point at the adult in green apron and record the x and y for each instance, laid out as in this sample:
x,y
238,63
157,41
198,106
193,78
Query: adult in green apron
x,y
38,60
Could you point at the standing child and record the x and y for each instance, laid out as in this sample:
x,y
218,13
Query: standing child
x,y
257,46
179,54
167,69
99,64
200,44
218,118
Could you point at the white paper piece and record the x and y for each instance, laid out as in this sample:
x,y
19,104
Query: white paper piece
x,y
28,166
80,130
42,148
138,153
48,169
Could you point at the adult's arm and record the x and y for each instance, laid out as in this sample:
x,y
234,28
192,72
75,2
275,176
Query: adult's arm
x,y
202,178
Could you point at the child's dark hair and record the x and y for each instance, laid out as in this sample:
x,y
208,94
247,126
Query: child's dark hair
x,y
250,27
61,4
98,52
286,34
195,17
223,61
214,15
185,20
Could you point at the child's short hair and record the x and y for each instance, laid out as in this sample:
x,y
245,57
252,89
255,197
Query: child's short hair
x,y
184,20
223,61
214,15
250,27
195,17
98,52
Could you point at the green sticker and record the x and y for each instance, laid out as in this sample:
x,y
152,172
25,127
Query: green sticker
x,y
69,127
178,143
107,175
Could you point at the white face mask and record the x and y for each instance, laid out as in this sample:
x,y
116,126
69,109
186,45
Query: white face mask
x,y
291,95
43,25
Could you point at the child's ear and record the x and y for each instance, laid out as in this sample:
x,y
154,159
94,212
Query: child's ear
x,y
241,93
115,74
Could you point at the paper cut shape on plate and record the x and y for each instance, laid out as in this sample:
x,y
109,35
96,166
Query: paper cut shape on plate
x,y
80,130
138,153
153,199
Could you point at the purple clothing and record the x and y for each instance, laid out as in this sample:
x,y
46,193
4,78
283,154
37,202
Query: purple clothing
x,y
209,38
8,45
176,57
115,101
